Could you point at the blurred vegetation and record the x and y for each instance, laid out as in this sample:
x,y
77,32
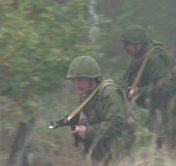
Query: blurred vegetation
x,y
39,39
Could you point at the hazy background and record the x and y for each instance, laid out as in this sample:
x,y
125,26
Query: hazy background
x,y
38,40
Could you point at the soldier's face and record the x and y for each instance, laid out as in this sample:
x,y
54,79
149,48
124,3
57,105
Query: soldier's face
x,y
131,48
83,84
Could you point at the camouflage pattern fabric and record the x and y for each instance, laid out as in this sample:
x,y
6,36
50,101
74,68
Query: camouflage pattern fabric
x,y
134,34
84,66
105,118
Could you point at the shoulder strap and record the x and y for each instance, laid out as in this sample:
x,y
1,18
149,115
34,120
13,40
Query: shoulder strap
x,y
86,101
103,87
130,116
141,69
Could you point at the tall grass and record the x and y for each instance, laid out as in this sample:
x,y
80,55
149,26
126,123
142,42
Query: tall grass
x,y
54,147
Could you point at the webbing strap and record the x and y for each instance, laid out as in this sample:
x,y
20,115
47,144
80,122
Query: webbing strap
x,y
146,56
86,101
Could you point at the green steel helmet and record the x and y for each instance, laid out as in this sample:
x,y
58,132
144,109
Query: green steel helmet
x,y
84,66
134,34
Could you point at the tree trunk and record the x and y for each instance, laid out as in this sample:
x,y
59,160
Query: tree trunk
x,y
18,156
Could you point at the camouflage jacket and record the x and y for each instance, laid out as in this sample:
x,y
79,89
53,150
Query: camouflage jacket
x,y
154,71
104,118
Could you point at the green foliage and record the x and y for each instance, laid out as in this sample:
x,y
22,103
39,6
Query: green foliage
x,y
155,15
142,117
39,38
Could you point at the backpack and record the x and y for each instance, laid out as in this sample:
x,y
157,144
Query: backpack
x,y
131,124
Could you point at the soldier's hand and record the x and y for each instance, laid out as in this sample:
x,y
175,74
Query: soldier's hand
x,y
132,92
80,130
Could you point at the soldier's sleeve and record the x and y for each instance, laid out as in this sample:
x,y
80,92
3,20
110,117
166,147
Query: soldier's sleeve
x,y
157,69
113,116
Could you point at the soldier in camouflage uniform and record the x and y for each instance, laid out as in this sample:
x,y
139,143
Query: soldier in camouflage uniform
x,y
102,119
136,43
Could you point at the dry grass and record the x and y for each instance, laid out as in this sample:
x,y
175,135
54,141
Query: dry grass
x,y
55,148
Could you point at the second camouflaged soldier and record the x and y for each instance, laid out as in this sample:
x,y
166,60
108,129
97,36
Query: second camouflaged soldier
x,y
103,120
137,45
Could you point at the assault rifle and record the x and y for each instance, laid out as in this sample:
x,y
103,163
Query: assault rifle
x,y
72,122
